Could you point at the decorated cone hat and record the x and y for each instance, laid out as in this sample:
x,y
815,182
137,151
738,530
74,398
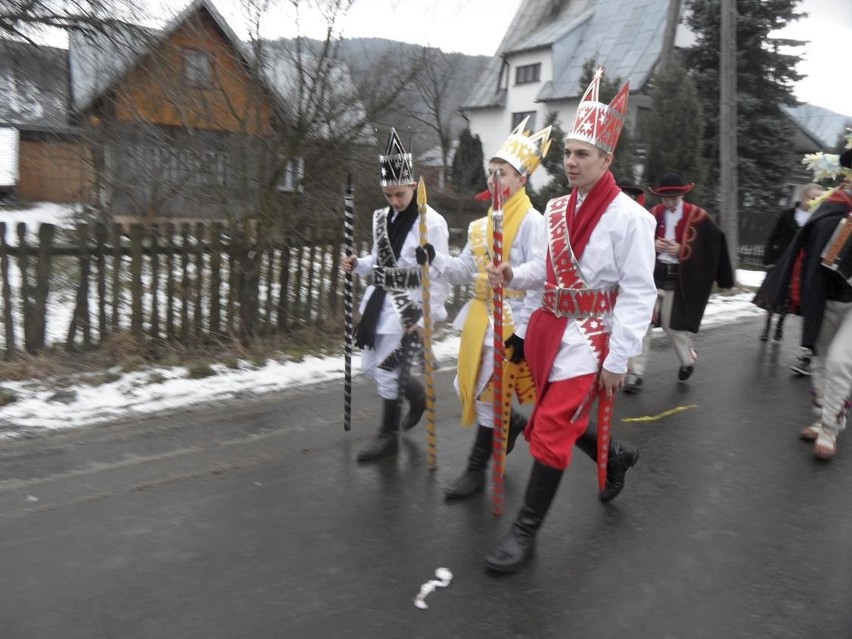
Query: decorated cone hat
x,y
671,185
597,123
523,151
395,165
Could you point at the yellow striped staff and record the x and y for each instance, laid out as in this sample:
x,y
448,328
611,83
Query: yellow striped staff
x,y
428,356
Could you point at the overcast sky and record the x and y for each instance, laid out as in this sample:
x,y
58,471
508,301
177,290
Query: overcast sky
x,y
477,26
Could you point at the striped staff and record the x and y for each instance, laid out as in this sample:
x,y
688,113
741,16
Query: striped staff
x,y
428,356
348,247
498,438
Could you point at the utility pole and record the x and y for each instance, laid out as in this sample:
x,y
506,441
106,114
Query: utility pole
x,y
728,196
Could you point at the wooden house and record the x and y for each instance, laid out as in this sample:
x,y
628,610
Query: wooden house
x,y
181,123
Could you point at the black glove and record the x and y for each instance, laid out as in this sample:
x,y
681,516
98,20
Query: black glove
x,y
517,344
424,254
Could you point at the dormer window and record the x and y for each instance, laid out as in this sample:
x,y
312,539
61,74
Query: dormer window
x,y
528,73
197,68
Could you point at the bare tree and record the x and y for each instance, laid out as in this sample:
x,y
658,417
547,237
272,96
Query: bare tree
x,y
31,20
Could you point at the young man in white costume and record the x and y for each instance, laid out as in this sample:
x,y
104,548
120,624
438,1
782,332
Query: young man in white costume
x,y
598,296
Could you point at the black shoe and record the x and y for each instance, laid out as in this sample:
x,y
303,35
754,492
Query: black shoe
x,y
616,468
803,362
633,383
779,333
764,334
382,445
470,483
685,372
515,548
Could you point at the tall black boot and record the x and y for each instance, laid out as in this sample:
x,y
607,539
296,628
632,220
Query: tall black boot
x,y
472,480
518,544
386,442
517,424
621,459
415,393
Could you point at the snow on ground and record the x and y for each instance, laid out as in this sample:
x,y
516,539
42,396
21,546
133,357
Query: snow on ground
x,y
43,405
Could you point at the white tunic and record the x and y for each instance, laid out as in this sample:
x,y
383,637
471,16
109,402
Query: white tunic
x,y
438,236
620,253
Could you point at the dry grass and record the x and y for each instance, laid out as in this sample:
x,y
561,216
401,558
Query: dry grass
x,y
125,352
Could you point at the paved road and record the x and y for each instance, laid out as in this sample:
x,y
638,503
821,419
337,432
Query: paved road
x,y
253,520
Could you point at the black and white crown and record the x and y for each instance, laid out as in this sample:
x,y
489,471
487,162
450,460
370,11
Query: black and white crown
x,y
395,164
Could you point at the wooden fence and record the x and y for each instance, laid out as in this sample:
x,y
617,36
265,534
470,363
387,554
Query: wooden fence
x,y
187,283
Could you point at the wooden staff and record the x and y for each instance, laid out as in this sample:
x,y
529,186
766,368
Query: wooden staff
x,y
498,447
428,357
348,246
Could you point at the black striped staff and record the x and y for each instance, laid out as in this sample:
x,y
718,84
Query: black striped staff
x,y
428,356
348,247
498,446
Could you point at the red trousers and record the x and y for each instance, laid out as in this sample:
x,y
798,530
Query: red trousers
x,y
550,432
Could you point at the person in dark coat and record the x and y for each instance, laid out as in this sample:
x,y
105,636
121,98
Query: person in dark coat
x,y
786,227
814,276
691,255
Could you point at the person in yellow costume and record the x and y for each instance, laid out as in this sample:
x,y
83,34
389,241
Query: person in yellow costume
x,y
523,241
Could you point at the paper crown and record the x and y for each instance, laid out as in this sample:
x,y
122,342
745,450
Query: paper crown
x,y
525,152
597,123
827,166
395,164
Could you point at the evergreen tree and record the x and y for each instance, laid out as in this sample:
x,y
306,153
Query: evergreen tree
x,y
624,163
468,170
674,129
552,163
765,77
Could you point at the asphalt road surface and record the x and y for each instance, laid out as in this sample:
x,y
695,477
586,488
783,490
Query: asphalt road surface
x,y
253,520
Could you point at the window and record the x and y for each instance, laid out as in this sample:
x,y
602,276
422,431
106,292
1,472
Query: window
x,y
197,68
291,179
528,73
517,118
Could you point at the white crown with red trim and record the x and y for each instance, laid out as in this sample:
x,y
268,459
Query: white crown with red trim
x,y
597,123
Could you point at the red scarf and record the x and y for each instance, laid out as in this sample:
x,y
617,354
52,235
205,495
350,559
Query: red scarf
x,y
580,226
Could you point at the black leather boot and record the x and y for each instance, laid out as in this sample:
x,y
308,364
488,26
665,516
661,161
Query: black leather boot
x,y
472,480
415,393
621,459
518,545
517,424
386,442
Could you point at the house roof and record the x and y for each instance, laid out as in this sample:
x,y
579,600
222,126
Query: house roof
x,y
826,127
625,38
34,85
98,60
46,85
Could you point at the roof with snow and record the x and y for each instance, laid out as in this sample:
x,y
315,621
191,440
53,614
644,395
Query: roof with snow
x,y
625,38
34,85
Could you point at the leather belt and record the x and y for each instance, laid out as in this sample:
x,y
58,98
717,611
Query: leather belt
x,y
579,302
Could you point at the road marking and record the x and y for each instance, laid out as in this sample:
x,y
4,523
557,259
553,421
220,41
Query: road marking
x,y
653,418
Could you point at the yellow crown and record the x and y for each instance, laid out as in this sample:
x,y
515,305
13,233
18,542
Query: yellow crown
x,y
523,151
